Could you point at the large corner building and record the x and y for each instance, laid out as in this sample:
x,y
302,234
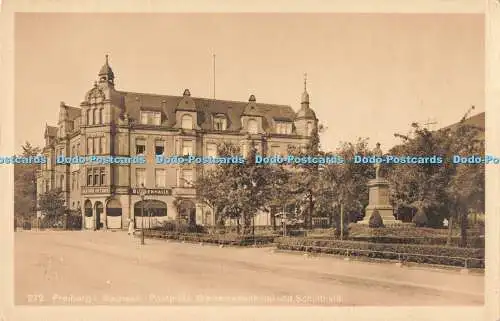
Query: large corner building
x,y
111,122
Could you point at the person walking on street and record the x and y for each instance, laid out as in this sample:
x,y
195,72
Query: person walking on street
x,y
131,228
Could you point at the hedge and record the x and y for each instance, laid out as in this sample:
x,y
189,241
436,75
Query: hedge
x,y
473,242
225,239
407,231
429,254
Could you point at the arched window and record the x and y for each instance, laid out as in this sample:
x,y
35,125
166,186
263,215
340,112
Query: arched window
x,y
101,121
187,122
94,116
88,116
252,126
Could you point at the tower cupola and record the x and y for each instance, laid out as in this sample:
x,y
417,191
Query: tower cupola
x,y
106,74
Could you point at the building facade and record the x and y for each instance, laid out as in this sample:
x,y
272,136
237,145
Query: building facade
x,y
110,122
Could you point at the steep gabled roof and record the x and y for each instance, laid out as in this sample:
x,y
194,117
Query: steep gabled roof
x,y
50,131
73,112
205,107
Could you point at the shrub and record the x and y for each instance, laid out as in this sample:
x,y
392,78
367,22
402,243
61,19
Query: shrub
x,y
227,239
429,254
420,219
180,227
375,220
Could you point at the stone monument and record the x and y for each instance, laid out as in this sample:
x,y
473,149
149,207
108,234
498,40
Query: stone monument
x,y
378,197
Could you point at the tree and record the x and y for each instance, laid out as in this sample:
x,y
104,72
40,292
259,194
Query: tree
x,y
448,190
305,181
345,184
236,191
420,186
51,203
25,191
466,187
420,219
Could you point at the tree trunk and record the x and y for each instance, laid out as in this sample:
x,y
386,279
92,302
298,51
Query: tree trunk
x,y
310,212
238,230
246,224
273,219
450,229
341,221
463,228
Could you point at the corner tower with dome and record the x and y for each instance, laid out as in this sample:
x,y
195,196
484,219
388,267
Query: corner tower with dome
x,y
113,122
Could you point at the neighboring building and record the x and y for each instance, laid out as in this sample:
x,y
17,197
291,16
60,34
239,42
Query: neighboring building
x,y
110,122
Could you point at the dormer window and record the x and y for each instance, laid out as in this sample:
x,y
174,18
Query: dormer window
x,y
151,118
187,122
252,126
220,122
283,128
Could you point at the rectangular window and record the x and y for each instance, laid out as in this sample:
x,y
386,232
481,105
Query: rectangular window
x,y
244,150
144,118
187,148
90,146
157,119
283,128
101,145
220,123
160,178
275,150
103,176
96,145
211,149
151,118
140,146
96,177
140,177
159,147
187,178
89,177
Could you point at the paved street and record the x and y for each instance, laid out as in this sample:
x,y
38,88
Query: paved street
x,y
113,268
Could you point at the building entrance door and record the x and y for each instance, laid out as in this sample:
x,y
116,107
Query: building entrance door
x,y
88,214
98,215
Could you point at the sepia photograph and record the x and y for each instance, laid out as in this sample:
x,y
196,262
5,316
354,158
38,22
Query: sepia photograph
x,y
256,159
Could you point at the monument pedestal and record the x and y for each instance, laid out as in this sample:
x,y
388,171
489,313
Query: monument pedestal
x,y
379,200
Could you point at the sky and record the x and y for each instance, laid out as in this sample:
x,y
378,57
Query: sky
x,y
368,75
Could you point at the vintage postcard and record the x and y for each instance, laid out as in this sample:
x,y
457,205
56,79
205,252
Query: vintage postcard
x,y
187,161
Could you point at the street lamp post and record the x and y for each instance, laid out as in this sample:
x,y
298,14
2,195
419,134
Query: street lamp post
x,y
142,193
